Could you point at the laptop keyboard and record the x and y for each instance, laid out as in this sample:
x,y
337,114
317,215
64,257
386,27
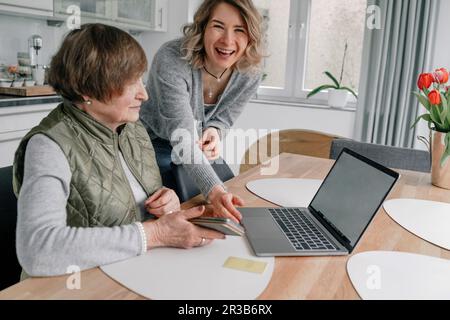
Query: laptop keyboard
x,y
300,231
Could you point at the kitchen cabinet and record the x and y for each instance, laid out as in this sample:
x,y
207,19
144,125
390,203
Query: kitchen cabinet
x,y
100,9
42,8
15,122
161,14
135,15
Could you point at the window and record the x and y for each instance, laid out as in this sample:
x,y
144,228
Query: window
x,y
306,38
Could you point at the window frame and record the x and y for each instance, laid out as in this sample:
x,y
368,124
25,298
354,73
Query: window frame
x,y
296,59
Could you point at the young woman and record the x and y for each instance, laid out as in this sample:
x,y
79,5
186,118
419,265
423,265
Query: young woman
x,y
198,86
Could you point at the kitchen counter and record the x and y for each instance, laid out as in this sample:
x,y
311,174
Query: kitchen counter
x,y
15,101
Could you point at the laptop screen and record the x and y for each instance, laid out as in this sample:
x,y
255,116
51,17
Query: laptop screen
x,y
352,193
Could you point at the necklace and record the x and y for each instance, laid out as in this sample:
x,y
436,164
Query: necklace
x,y
210,93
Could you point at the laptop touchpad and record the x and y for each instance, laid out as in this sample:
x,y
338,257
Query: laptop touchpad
x,y
263,227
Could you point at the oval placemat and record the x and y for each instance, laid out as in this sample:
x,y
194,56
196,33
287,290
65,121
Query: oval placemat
x,y
383,275
194,274
428,220
285,192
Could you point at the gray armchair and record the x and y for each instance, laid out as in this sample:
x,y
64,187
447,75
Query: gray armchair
x,y
392,157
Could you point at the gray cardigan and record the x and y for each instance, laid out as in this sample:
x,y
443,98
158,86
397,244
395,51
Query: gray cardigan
x,y
176,109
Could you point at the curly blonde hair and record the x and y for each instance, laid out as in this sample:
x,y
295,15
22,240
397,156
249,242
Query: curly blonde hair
x,y
193,46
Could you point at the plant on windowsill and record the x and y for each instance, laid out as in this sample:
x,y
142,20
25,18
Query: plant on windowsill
x,y
337,93
434,95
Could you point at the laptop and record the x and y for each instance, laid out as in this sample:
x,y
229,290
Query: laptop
x,y
334,221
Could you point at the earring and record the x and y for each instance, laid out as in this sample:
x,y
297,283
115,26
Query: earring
x,y
88,102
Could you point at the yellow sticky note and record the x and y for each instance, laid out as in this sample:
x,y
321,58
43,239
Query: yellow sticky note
x,y
245,265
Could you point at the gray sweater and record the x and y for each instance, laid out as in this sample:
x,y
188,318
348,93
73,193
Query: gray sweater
x,y
45,245
176,102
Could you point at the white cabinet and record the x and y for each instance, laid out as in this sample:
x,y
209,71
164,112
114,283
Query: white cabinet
x,y
42,8
15,122
100,9
136,15
161,8
134,12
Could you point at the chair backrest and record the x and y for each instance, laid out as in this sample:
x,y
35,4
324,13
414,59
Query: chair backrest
x,y
392,157
10,268
297,141
186,187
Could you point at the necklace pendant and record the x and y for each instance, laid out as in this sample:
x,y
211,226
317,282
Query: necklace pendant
x,y
210,94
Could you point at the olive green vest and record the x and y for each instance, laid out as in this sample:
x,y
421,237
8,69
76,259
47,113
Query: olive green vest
x,y
100,194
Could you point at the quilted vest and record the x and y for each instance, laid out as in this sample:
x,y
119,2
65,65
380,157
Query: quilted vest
x,y
100,194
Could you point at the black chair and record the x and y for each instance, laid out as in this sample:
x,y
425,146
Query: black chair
x,y
186,187
392,157
10,268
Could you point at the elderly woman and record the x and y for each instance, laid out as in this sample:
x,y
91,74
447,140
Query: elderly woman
x,y
198,86
86,176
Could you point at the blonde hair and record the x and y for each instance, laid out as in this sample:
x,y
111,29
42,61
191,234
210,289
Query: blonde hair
x,y
193,47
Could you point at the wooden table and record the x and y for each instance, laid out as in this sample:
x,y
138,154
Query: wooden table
x,y
293,277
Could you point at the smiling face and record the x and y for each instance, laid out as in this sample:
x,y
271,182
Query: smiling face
x,y
226,37
121,109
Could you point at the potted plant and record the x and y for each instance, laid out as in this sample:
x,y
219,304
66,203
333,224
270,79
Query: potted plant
x,y
337,94
434,95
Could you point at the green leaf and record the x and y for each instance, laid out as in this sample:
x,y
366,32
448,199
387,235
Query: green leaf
x,y
444,99
423,101
318,89
435,116
333,79
350,90
425,117
444,106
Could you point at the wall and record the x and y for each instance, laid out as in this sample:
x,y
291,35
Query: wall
x,y
442,47
179,13
14,34
275,117
177,16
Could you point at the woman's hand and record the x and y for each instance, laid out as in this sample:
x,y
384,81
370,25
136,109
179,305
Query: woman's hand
x,y
209,143
163,201
175,230
224,204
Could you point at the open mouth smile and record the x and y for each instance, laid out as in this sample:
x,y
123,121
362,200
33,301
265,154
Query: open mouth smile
x,y
225,52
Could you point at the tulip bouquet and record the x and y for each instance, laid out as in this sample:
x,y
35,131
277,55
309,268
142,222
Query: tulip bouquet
x,y
434,95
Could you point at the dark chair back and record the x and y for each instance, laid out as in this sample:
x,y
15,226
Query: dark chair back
x,y
392,157
10,268
186,187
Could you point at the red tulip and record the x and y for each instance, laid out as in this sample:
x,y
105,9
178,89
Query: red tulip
x,y
435,97
425,81
441,75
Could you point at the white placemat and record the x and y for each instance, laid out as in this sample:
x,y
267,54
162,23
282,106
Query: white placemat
x,y
285,192
194,274
379,275
428,220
